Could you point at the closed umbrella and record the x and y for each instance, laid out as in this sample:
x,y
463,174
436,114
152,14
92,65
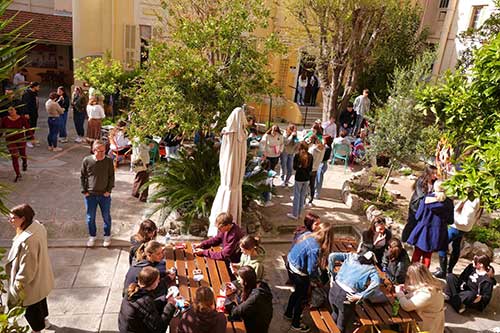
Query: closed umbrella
x,y
232,159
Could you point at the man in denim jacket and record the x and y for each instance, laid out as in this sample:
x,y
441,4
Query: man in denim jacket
x,y
356,280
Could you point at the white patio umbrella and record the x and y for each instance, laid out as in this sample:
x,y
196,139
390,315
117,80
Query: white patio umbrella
x,y
232,159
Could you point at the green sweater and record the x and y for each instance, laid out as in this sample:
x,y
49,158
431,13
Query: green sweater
x,y
97,177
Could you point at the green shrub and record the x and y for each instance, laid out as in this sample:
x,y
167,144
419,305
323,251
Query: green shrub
x,y
378,171
189,184
489,235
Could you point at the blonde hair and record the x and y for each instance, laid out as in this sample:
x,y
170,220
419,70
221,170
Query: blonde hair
x,y
418,276
324,235
147,249
439,191
147,277
223,219
203,300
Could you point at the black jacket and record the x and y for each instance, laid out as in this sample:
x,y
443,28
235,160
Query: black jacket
x,y
302,174
135,269
29,101
348,118
256,311
396,270
140,314
64,103
482,286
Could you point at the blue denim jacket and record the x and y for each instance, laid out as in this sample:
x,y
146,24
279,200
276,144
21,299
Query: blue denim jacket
x,y
353,274
304,255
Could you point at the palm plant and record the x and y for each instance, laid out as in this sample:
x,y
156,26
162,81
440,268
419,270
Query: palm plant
x,y
189,184
12,51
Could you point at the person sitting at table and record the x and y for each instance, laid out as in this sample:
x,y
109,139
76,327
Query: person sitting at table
x,y
147,231
252,254
153,257
376,238
202,317
423,293
473,288
356,280
141,311
303,260
118,141
255,305
229,236
395,262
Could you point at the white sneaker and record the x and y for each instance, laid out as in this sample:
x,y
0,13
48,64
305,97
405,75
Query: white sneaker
x,y
308,205
57,149
291,216
269,204
29,144
78,139
107,241
91,242
63,140
47,323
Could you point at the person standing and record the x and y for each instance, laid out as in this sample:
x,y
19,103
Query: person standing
x,y
96,114
434,215
272,145
466,214
314,82
64,103
302,164
12,100
97,180
330,128
79,105
30,272
323,167
301,88
317,150
54,111
19,79
140,165
30,111
15,141
362,107
290,142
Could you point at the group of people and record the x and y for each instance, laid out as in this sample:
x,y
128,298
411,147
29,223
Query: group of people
x,y
151,297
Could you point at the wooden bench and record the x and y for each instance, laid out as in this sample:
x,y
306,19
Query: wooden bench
x,y
323,320
215,275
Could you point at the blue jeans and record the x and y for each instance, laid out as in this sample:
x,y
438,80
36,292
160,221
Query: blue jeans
x,y
53,131
359,122
62,130
79,120
455,238
286,166
299,196
319,177
172,152
104,203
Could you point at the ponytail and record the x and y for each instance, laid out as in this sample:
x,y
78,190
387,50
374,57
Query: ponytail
x,y
132,289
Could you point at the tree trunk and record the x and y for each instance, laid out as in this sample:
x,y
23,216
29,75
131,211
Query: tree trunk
x,y
381,191
326,104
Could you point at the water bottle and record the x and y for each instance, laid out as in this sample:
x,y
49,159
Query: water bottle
x,y
395,308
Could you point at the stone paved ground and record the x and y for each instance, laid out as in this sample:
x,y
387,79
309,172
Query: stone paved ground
x,y
89,281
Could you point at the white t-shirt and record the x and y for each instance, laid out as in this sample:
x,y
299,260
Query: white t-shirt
x,y
95,112
330,129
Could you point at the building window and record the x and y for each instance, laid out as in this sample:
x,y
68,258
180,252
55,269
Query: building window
x,y
475,17
444,3
441,15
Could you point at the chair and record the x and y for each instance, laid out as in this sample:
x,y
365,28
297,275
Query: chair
x,y
341,151
117,156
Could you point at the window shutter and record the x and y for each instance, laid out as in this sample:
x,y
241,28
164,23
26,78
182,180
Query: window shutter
x,y
131,45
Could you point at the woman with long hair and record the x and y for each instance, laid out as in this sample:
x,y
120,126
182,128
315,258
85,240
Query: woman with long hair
x,y
256,302
395,262
147,232
64,102
423,293
202,317
272,145
95,113
139,311
306,256
252,254
311,224
290,147
302,164
377,237
30,272
421,187
356,280
14,127
317,150
430,234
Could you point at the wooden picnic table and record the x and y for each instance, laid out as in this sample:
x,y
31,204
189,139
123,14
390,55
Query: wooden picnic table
x,y
215,275
371,316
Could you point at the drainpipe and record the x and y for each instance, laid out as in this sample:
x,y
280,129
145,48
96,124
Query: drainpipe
x,y
443,41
